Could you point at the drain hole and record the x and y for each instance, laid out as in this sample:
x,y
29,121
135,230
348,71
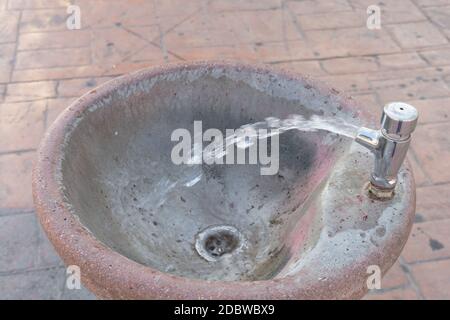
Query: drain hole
x,y
214,242
220,243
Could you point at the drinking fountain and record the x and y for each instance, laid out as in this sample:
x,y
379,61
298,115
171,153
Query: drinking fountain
x,y
113,203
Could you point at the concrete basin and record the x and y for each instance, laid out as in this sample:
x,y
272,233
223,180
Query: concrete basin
x,y
113,203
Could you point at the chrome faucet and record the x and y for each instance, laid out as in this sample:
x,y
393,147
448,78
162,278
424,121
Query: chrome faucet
x,y
389,145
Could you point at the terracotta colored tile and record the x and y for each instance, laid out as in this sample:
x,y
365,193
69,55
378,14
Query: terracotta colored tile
x,y
78,294
37,4
53,58
55,107
165,8
431,144
27,91
35,285
352,41
152,54
437,57
420,176
6,61
433,202
318,6
433,110
410,88
44,20
107,13
396,294
243,52
280,51
77,87
8,26
395,277
433,279
232,28
2,91
369,101
333,20
440,16
21,125
54,40
419,74
426,3
227,5
392,11
15,181
417,35
58,73
114,45
352,83
350,65
312,68
401,61
19,238
428,240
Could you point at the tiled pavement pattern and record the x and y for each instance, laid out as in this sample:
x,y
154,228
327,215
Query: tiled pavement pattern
x,y
44,66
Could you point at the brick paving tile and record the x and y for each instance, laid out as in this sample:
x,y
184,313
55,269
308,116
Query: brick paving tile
x,y
78,87
433,110
21,125
392,11
55,107
19,237
43,20
30,91
431,144
437,57
440,16
410,88
8,26
433,279
350,65
6,61
15,181
37,4
351,41
312,68
33,285
332,20
428,3
53,58
54,40
396,294
433,202
399,61
428,240
318,6
417,35
420,176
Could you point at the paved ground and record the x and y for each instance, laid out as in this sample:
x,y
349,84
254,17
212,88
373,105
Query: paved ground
x,y
44,66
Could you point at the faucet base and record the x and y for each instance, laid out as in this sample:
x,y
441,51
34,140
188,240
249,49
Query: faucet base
x,y
379,193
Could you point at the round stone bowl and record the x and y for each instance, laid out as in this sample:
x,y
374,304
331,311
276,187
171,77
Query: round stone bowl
x,y
139,226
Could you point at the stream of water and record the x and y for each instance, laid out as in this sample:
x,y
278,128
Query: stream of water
x,y
249,133
271,126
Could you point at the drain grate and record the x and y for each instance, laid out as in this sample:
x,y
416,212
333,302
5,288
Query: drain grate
x,y
214,242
